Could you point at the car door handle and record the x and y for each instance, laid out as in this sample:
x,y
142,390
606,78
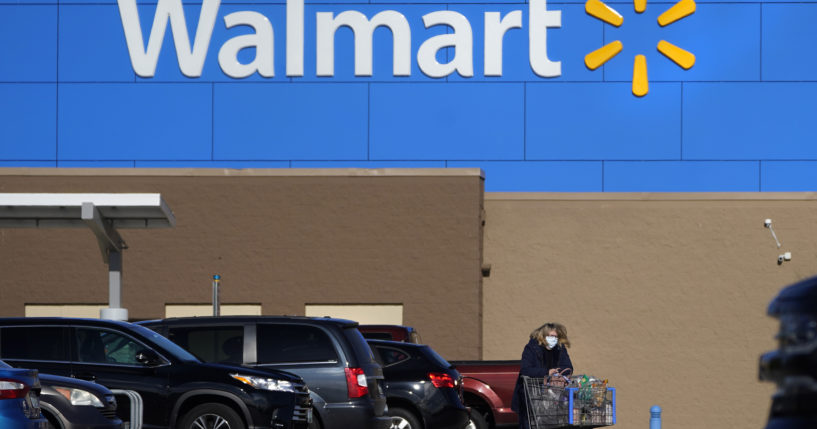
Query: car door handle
x,y
85,376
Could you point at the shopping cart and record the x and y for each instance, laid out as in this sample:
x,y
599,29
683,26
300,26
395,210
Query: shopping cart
x,y
553,407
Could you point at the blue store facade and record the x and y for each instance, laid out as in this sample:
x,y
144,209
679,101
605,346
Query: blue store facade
x,y
169,93
533,115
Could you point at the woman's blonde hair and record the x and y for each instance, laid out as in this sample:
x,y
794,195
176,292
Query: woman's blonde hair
x,y
541,332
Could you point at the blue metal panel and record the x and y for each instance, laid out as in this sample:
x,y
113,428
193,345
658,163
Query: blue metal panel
x,y
212,164
421,122
538,176
95,164
382,51
27,2
28,121
750,121
788,176
135,121
32,164
569,44
725,39
28,43
681,176
435,121
290,121
368,164
789,35
602,121
100,55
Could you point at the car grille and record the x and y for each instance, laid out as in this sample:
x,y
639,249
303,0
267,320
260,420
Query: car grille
x,y
300,412
109,413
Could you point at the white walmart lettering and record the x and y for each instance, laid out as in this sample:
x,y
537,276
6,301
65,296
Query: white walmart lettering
x,y
191,60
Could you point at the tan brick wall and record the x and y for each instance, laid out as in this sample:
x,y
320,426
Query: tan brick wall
x,y
280,238
664,294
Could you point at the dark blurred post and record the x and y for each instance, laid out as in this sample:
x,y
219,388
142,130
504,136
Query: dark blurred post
x,y
793,366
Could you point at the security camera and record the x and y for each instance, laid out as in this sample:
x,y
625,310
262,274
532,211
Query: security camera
x,y
768,224
783,257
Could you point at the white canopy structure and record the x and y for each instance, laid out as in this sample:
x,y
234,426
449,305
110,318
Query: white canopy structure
x,y
104,214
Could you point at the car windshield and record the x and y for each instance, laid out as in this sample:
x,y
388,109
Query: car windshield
x,y
4,365
166,345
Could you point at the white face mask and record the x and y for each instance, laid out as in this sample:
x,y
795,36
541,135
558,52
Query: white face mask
x,y
551,341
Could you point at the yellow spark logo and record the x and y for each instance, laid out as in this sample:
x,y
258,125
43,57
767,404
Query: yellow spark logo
x,y
641,84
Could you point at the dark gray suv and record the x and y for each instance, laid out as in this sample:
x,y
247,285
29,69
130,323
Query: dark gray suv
x,y
345,381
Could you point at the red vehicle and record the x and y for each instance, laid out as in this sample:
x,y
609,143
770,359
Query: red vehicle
x,y
405,334
487,385
488,390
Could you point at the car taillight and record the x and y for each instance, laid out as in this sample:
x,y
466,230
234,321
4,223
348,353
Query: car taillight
x,y
356,382
441,379
13,389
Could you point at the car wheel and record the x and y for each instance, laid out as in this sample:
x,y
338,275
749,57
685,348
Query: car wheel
x,y
212,416
315,424
476,420
402,418
52,421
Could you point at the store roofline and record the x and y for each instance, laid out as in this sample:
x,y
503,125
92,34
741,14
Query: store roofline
x,y
650,196
247,172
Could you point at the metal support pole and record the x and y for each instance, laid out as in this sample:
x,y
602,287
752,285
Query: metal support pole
x,y
115,279
114,310
216,281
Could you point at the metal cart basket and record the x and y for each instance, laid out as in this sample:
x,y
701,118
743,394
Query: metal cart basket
x,y
554,407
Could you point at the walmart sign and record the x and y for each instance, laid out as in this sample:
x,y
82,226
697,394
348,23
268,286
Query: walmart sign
x,y
543,95
191,60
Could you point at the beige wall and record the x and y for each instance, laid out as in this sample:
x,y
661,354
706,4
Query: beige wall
x,y
664,294
190,310
279,238
372,314
90,311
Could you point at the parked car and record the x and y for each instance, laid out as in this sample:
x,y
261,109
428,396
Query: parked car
x,y
330,354
487,385
70,403
488,391
423,390
391,333
20,399
178,390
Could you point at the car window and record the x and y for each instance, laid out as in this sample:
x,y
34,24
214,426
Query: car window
x,y
103,346
378,335
164,344
213,343
391,356
361,349
33,343
294,343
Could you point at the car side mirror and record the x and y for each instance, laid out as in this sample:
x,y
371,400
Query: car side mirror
x,y
148,358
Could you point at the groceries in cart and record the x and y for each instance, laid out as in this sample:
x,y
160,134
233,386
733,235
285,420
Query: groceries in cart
x,y
563,400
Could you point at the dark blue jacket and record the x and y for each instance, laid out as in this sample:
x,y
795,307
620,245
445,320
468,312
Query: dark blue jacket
x,y
533,365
